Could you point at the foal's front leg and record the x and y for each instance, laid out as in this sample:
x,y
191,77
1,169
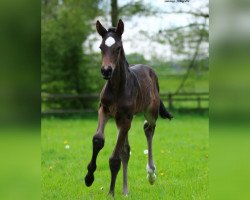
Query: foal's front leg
x,y
123,125
98,143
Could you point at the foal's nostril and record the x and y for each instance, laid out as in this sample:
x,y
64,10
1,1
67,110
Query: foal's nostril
x,y
102,70
106,72
109,70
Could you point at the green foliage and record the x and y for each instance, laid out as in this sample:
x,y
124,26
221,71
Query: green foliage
x,y
64,29
136,58
62,36
180,150
135,8
92,63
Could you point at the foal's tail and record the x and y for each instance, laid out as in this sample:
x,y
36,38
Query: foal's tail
x,y
163,112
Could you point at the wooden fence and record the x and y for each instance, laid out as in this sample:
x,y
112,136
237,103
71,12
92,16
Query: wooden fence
x,y
197,101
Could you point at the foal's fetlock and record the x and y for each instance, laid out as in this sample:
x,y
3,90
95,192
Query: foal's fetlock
x,y
89,179
151,174
91,167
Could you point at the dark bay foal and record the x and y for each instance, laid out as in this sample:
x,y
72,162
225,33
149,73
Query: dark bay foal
x,y
128,90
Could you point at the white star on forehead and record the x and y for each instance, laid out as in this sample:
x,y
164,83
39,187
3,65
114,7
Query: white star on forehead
x,y
110,41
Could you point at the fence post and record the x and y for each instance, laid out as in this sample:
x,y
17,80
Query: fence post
x,y
170,101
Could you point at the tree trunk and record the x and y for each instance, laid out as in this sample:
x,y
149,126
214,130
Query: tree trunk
x,y
114,12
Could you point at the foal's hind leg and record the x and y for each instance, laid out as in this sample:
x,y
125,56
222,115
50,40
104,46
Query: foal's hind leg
x,y
98,143
149,128
149,132
124,155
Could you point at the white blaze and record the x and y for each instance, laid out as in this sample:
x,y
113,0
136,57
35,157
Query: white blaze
x,y
110,41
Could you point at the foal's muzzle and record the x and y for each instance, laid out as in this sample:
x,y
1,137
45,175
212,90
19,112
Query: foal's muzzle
x,y
106,72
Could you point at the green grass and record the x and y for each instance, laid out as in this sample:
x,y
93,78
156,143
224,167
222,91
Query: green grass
x,y
180,150
193,83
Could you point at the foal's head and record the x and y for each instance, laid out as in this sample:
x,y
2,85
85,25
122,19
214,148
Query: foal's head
x,y
111,47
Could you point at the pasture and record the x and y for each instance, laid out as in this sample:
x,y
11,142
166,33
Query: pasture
x,y
180,150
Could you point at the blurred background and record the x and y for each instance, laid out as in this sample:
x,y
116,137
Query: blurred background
x,y
170,37
62,22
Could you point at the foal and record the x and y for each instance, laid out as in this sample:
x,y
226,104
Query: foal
x,y
128,90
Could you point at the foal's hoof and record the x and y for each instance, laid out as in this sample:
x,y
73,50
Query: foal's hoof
x,y
89,179
151,178
125,195
111,194
151,174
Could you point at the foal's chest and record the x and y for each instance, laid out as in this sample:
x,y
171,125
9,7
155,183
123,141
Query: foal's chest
x,y
118,105
111,105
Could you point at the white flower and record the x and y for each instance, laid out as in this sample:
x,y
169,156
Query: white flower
x,y
145,151
67,146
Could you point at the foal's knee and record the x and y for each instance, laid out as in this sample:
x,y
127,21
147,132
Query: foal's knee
x,y
114,164
98,143
125,154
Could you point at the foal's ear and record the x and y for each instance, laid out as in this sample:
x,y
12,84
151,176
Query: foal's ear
x,y
100,29
120,27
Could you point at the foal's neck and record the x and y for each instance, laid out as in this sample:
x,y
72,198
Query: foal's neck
x,y
121,74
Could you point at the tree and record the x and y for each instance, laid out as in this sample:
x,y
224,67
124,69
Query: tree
x,y
131,8
65,26
189,42
114,12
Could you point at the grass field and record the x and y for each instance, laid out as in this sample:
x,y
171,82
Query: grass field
x,y
180,150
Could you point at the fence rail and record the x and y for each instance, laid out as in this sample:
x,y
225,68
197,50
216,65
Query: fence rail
x,y
197,100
